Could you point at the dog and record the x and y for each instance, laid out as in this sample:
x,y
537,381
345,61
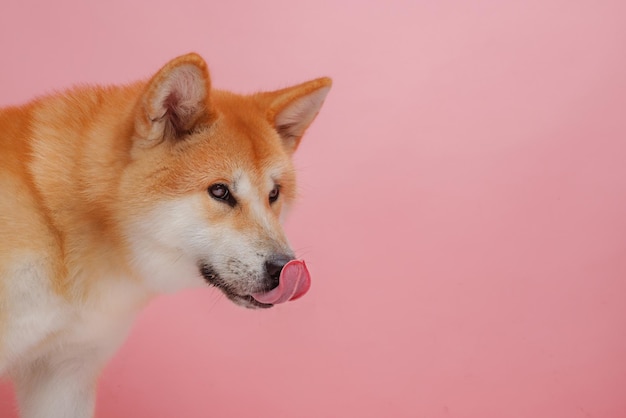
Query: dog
x,y
112,195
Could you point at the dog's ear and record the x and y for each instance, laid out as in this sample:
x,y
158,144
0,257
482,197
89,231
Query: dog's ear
x,y
292,110
175,100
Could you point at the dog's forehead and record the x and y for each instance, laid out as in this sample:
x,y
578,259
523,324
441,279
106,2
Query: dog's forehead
x,y
248,182
248,142
242,184
240,148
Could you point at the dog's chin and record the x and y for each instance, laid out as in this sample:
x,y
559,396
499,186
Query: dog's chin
x,y
247,301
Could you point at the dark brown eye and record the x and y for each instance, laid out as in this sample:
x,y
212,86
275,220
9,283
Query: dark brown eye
x,y
220,192
274,194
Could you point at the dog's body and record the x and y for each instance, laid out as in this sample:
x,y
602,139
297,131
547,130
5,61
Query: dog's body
x,y
109,196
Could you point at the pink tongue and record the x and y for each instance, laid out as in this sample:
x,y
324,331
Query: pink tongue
x,y
294,282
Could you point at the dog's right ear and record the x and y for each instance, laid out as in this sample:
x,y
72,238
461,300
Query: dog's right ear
x,y
175,100
292,110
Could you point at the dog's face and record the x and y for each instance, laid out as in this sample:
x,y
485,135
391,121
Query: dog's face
x,y
210,177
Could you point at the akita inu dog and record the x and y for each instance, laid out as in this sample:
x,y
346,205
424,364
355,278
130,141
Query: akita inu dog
x,y
111,195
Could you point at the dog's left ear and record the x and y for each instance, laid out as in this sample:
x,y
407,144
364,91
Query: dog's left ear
x,y
292,110
174,101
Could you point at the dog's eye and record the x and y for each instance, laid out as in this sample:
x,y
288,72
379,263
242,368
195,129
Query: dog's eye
x,y
274,194
220,192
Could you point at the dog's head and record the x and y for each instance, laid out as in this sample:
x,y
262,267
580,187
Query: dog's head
x,y
209,176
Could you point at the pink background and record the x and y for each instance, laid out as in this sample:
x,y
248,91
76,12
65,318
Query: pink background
x,y
463,205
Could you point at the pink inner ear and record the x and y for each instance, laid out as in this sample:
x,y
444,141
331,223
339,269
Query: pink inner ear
x,y
295,118
179,98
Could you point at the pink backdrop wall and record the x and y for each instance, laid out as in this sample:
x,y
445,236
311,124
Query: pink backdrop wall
x,y
462,213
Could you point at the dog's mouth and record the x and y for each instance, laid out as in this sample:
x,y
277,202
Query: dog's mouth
x,y
293,283
215,280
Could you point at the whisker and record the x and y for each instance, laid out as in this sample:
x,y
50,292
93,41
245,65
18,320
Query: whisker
x,y
216,298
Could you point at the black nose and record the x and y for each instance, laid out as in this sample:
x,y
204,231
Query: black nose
x,y
274,266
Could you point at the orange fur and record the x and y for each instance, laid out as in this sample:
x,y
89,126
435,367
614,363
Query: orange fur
x,y
78,144
89,177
